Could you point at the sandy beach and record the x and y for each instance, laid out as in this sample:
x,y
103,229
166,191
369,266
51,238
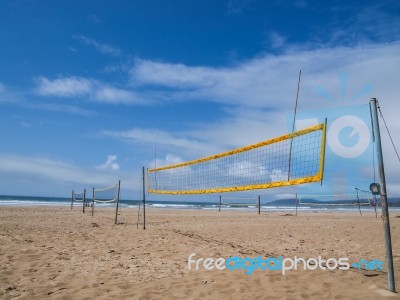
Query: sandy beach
x,y
59,253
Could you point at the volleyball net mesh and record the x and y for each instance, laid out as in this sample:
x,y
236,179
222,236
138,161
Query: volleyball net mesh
x,y
106,195
291,159
78,197
239,201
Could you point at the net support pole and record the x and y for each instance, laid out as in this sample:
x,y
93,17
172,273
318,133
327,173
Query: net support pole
x,y
72,199
358,201
296,200
384,204
84,201
220,203
116,209
93,203
144,199
259,204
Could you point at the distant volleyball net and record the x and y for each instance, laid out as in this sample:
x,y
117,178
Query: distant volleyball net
x,y
240,202
359,199
363,199
78,198
291,159
108,195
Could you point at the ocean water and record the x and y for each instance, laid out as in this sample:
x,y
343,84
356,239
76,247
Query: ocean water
x,y
192,205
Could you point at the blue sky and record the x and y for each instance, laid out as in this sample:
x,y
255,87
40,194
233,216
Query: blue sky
x,y
87,88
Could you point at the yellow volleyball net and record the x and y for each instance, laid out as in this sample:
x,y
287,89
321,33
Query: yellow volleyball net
x,y
291,159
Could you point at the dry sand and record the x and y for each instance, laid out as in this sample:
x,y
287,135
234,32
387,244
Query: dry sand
x,y
58,253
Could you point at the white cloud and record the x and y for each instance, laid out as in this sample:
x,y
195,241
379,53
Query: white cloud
x,y
71,109
276,40
278,175
267,81
170,159
114,95
101,47
172,75
64,87
44,176
51,170
257,95
246,169
71,87
271,80
359,30
241,126
110,164
8,95
48,88
163,139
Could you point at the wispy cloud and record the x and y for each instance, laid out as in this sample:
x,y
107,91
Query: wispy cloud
x,y
64,87
101,47
264,81
73,87
173,75
64,108
59,177
113,95
275,40
261,82
163,139
170,159
359,29
235,7
110,164
54,170
239,127
8,95
258,95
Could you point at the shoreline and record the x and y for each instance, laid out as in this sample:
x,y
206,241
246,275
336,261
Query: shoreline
x,y
214,207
